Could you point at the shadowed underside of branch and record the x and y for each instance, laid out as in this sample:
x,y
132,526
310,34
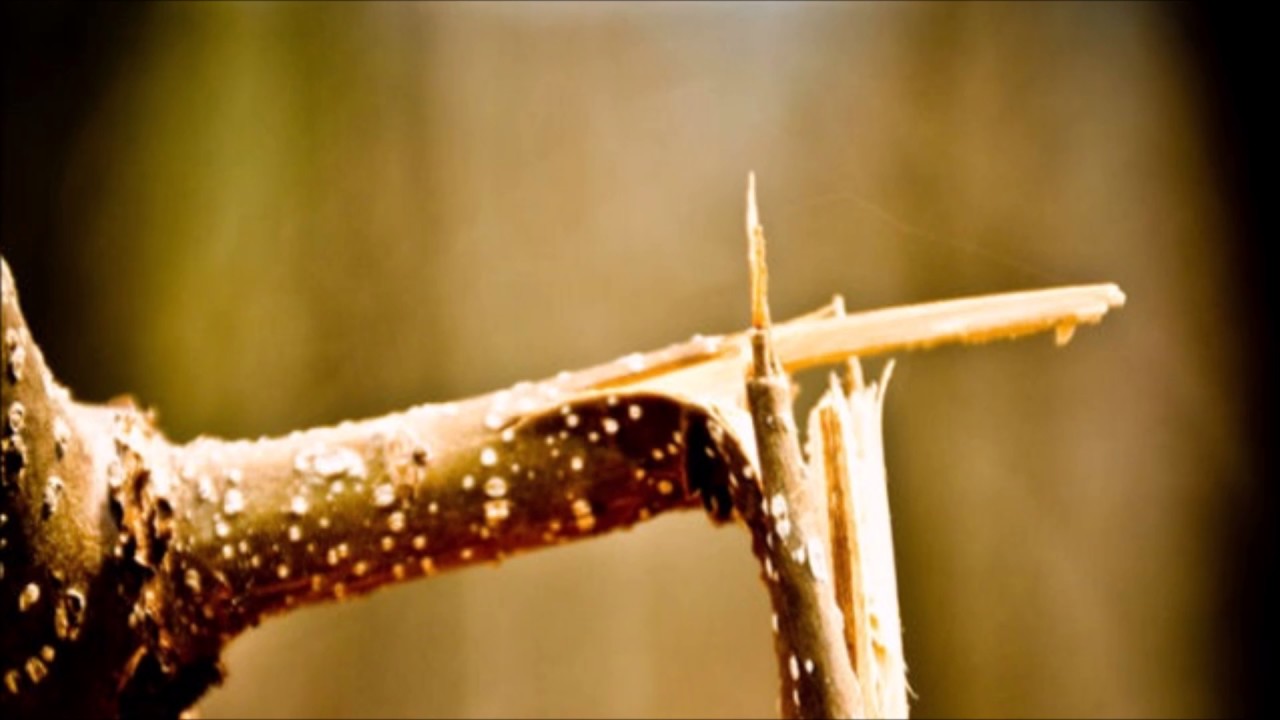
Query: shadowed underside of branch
x,y
128,562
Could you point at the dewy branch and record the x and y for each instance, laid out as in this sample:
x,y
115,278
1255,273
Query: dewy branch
x,y
127,562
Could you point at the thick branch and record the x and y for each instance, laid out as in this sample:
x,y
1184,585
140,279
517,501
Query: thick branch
x,y
333,512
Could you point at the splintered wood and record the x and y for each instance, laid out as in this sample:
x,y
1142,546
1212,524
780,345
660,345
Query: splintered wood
x,y
847,452
823,530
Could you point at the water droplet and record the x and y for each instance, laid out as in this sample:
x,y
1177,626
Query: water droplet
x,y
387,543
204,489
665,487
13,677
295,533
16,352
330,464
657,454
221,528
808,666
384,495
793,666
778,505
495,487
61,437
17,417
572,420
337,487
339,590
428,566
419,542
398,571
331,556
29,596
576,463
584,518
235,476
635,412
1063,333
47,653
495,511
818,563
36,670
634,362
52,496
488,457
798,555
395,522
468,482
228,551
299,505
509,435
282,571
466,553
774,621
493,421
232,502
434,507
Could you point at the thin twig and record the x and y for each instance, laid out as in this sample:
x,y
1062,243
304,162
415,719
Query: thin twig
x,y
813,661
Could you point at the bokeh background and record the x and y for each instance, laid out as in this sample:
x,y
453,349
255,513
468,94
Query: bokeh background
x,y
258,217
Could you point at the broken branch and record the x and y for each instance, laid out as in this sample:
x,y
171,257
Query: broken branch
x,y
813,661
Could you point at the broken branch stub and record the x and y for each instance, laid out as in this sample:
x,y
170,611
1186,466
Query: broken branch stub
x,y
813,661
847,449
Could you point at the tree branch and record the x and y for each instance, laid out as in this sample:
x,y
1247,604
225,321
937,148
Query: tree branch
x,y
127,563
813,660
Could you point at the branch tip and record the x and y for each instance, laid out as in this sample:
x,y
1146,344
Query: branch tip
x,y
756,260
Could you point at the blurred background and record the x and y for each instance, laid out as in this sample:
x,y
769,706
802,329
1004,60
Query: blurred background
x,y
257,217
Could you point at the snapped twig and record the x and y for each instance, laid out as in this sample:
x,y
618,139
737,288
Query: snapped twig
x,y
813,659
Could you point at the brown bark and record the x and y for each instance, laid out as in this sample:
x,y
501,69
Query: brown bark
x,y
130,562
